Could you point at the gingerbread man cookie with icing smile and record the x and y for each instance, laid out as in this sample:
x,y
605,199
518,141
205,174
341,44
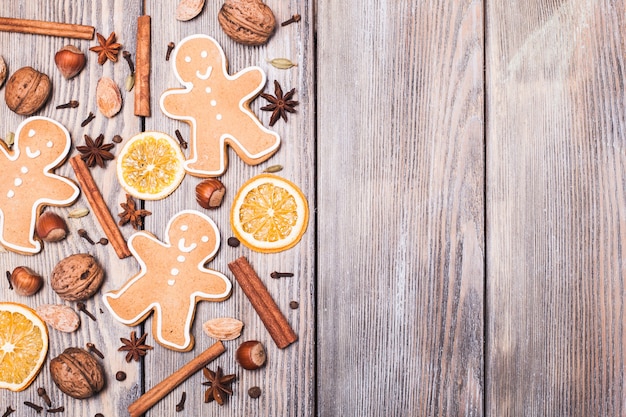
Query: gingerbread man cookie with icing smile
x,y
172,279
216,105
29,182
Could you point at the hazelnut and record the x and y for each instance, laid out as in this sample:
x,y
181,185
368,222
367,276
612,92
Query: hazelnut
x,y
209,193
25,281
27,91
250,22
251,355
51,227
70,61
77,277
77,373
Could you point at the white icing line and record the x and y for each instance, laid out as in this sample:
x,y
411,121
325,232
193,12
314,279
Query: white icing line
x,y
186,249
206,75
32,154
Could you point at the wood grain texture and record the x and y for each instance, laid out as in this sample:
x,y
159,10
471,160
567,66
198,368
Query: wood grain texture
x,y
38,51
555,208
286,380
400,251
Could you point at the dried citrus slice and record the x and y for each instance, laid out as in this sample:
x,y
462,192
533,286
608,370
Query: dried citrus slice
x,y
150,166
23,346
269,214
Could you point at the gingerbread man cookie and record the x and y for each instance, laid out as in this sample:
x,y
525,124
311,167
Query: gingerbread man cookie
x,y
216,105
172,279
29,184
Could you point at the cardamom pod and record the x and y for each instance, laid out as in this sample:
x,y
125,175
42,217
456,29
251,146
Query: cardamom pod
x,y
130,82
10,139
281,63
78,213
273,168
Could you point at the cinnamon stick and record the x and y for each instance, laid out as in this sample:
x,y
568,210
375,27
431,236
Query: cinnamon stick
x,y
40,27
160,390
142,73
265,306
99,207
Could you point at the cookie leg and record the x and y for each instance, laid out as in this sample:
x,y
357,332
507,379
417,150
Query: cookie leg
x,y
253,142
207,155
18,230
172,323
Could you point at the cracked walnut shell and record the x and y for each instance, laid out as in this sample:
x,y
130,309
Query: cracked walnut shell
x,y
77,277
27,91
77,373
250,22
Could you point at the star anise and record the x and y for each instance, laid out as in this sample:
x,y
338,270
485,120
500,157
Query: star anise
x,y
281,104
218,385
131,214
136,348
108,48
95,152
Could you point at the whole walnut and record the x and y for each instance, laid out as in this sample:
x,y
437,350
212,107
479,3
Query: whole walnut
x,y
77,373
77,277
27,91
250,22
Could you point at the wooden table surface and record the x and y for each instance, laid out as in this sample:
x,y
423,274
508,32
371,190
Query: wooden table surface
x,y
465,166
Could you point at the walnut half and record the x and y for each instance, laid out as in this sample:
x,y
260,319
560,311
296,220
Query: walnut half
x,y
250,22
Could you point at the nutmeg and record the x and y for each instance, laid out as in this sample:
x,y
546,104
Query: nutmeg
x,y
250,22
27,91
25,281
251,355
70,61
77,373
77,277
209,193
51,227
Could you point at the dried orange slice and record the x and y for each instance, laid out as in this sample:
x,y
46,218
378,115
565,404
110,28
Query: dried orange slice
x,y
150,166
269,214
23,346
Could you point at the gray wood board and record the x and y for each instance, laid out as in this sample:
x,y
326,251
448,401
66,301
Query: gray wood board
x,y
400,185
555,208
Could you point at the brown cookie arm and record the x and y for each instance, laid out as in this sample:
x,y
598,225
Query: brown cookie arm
x,y
211,283
249,79
60,190
174,102
129,304
144,245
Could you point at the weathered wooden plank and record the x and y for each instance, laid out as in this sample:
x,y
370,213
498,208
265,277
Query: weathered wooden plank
x,y
38,51
287,378
400,185
555,208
